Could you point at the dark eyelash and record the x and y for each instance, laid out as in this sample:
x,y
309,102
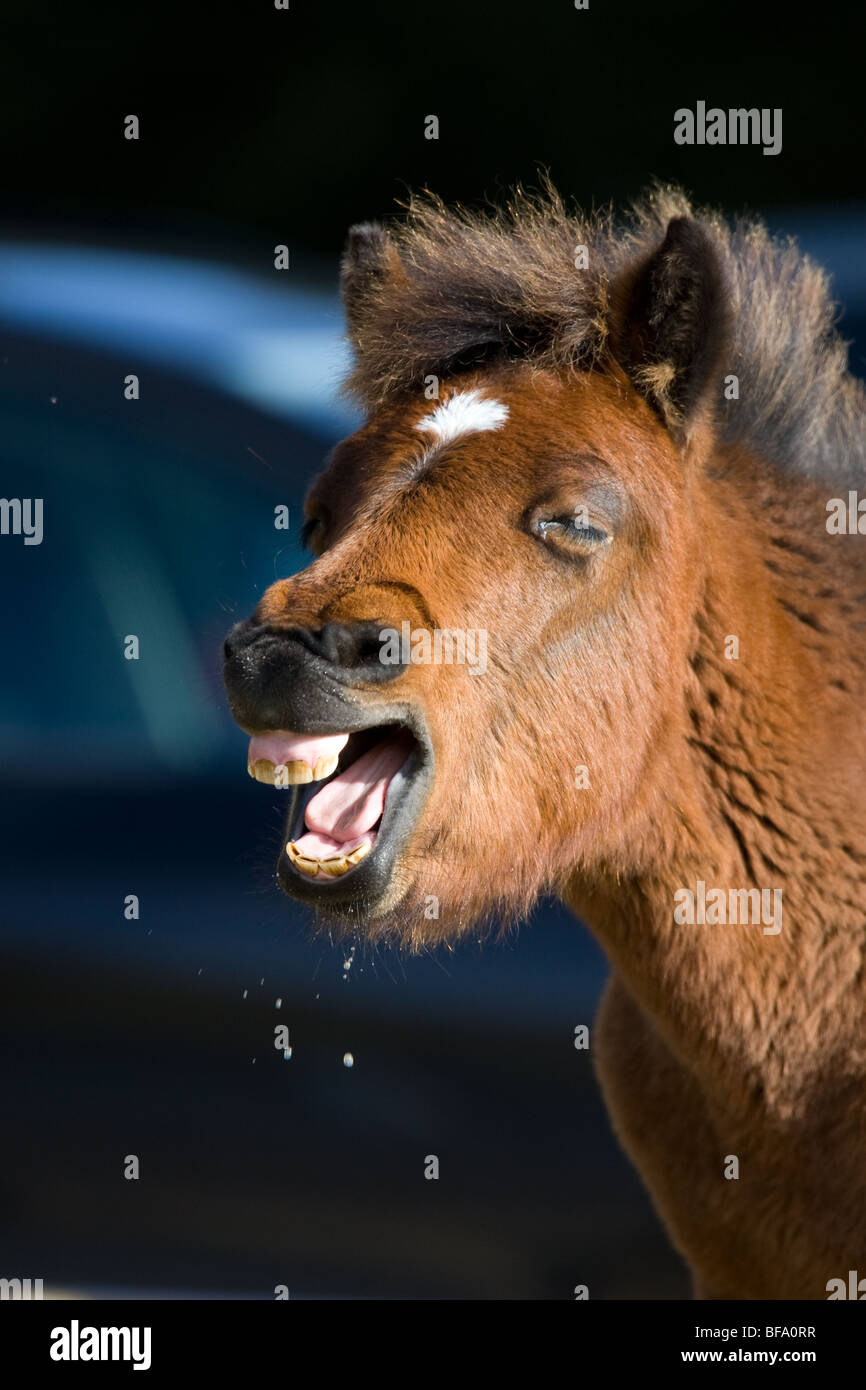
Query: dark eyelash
x,y
573,527
580,528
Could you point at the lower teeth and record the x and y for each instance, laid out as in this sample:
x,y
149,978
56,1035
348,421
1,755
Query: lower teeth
x,y
328,868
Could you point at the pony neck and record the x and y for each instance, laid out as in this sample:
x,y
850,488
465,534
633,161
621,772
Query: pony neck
x,y
758,787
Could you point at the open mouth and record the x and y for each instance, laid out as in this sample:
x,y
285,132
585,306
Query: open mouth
x,y
355,798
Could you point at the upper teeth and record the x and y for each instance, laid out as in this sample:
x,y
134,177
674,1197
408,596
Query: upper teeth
x,y
292,774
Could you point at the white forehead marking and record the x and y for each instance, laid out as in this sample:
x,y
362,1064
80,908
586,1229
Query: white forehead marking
x,y
466,413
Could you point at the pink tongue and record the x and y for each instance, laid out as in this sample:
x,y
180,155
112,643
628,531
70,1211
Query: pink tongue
x,y
349,806
315,846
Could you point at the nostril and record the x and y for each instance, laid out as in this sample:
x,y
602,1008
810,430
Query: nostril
x,y
355,647
257,655
347,645
369,645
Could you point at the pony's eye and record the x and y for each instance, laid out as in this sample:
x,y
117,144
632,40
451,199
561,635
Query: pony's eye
x,y
572,530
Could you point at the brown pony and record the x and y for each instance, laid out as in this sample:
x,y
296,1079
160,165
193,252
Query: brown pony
x,y
588,616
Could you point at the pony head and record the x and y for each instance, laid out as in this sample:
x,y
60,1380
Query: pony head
x,y
477,689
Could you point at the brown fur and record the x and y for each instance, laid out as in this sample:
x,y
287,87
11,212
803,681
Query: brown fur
x,y
712,1040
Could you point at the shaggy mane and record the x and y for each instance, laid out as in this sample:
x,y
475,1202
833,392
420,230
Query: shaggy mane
x,y
460,289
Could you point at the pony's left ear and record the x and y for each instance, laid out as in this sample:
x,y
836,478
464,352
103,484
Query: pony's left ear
x,y
671,323
370,259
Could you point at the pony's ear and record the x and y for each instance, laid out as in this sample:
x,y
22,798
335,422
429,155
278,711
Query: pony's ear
x,y
369,259
671,323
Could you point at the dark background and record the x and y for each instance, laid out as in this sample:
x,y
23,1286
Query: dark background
x,y
261,126
155,1036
